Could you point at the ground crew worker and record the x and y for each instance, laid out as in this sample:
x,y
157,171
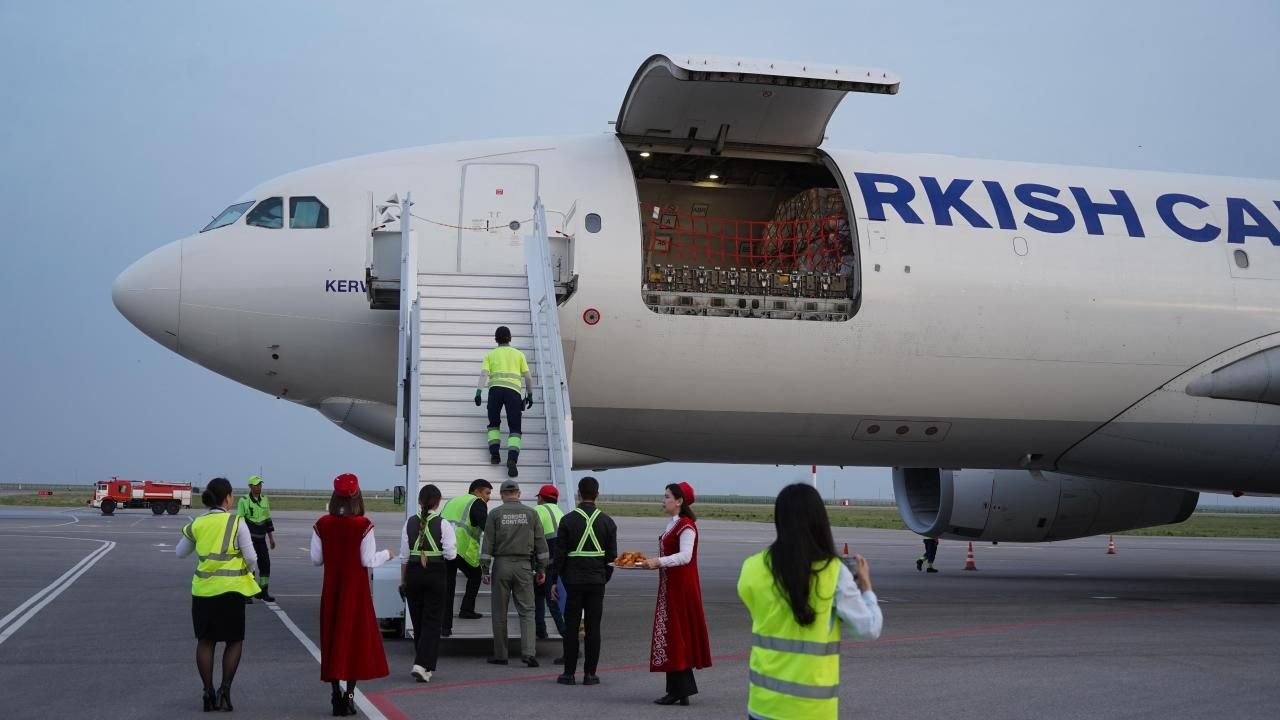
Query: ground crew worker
x,y
255,508
467,513
930,553
503,368
427,543
793,591
585,547
550,514
513,557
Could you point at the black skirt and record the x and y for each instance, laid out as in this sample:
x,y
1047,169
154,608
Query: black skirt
x,y
219,618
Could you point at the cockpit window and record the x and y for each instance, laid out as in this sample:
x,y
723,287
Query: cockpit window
x,y
268,214
308,212
228,216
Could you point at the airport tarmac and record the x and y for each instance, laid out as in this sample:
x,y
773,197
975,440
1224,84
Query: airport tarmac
x,y
95,622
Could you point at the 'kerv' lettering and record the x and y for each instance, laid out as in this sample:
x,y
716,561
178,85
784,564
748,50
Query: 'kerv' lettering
x,y
345,286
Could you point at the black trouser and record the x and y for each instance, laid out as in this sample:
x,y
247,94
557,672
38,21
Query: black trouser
x,y
499,398
540,607
424,591
681,683
930,549
263,549
583,600
469,595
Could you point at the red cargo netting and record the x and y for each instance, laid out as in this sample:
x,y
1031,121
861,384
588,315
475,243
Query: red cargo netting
x,y
678,238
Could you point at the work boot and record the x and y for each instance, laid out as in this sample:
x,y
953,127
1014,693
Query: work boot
x,y
930,569
511,469
919,564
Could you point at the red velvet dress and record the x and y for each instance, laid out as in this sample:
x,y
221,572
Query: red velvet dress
x,y
679,627
350,642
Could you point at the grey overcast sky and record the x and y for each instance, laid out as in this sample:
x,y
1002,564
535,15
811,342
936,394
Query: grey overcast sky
x,y
127,124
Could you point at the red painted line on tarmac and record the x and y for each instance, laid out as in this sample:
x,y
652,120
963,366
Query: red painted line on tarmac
x,y
383,700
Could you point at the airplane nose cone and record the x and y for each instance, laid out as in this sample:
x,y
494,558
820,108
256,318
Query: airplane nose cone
x,y
146,293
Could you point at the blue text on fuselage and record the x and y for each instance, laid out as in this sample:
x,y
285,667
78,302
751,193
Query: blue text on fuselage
x,y
1045,208
345,286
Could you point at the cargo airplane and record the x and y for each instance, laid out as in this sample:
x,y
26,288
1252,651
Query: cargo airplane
x,y
1040,352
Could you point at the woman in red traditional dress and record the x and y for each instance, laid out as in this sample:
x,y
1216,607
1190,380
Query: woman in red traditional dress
x,y
350,641
680,643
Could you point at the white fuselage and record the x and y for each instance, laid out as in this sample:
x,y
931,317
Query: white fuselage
x,y
1025,343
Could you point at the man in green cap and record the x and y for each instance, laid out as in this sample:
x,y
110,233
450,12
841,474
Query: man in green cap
x,y
255,508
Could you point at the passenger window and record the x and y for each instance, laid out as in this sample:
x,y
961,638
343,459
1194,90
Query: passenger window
x,y
593,223
308,213
268,214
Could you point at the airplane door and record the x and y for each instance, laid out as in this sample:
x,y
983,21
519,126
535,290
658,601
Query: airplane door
x,y
495,215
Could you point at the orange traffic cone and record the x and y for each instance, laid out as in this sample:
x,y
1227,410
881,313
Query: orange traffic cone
x,y
1111,544
969,564
846,549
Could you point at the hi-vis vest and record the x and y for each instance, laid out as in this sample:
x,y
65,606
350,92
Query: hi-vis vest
x,y
458,512
506,366
221,568
590,534
426,532
255,512
794,669
551,516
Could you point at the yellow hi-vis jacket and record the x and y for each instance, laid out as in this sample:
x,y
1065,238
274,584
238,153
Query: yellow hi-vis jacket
x,y
506,366
551,515
221,567
458,512
794,669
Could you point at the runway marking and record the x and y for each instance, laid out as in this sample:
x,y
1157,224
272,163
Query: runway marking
x,y
53,590
365,705
383,699
72,521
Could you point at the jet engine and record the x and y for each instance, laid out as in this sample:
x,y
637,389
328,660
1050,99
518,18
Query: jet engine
x,y
1030,505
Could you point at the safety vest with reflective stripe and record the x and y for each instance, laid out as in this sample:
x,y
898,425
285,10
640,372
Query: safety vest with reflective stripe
x,y
506,366
551,516
427,532
221,567
255,512
589,534
794,668
458,512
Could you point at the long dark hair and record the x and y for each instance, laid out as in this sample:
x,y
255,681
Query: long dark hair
x,y
346,504
216,492
678,494
429,495
804,539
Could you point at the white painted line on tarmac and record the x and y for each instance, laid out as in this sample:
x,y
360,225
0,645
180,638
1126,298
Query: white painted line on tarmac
x,y
52,591
365,706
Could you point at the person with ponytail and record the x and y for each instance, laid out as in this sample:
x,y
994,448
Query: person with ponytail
x,y
427,544
222,581
794,591
680,641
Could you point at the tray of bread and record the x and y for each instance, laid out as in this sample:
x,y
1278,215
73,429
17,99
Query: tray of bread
x,y
631,559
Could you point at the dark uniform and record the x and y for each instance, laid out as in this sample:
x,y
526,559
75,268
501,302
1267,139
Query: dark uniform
x,y
585,545
424,586
514,544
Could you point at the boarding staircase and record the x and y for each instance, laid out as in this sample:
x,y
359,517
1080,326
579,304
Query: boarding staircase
x,y
447,323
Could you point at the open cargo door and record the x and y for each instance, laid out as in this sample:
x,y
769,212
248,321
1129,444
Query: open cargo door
x,y
714,103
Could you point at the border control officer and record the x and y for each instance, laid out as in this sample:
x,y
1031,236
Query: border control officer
x,y
513,545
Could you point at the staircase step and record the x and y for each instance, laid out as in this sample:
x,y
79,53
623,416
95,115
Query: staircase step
x,y
475,425
469,304
465,280
464,409
478,330
483,343
476,440
475,293
493,318
470,367
464,396
460,476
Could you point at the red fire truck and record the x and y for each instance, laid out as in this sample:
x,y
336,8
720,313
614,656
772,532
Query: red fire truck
x,y
160,497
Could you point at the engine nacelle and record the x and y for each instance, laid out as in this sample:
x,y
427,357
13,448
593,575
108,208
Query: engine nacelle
x,y
1030,506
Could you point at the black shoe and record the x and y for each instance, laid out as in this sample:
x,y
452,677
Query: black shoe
x,y
339,704
530,661
248,600
919,564
930,570
543,635
567,679
495,460
224,699
497,661
511,469
671,700
470,615
446,632
266,598
210,700
558,661
590,679
350,703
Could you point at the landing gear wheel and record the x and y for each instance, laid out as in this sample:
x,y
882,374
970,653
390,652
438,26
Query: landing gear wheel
x,y
173,507
157,508
108,507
